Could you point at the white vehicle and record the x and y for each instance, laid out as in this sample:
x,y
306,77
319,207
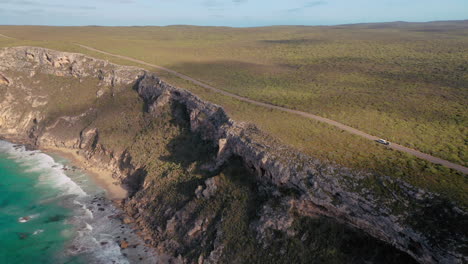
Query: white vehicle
x,y
383,141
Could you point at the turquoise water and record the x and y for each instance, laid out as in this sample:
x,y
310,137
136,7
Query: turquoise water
x,y
44,213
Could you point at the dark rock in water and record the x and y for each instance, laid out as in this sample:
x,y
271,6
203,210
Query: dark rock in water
x,y
55,218
104,243
29,147
46,247
73,248
101,209
23,236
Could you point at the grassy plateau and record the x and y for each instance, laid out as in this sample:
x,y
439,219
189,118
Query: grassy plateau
x,y
406,82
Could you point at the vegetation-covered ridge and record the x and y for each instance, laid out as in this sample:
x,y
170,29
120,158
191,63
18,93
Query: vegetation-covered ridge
x,y
177,152
346,128
310,137
400,81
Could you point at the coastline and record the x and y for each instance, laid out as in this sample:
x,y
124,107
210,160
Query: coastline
x,y
101,177
128,235
115,230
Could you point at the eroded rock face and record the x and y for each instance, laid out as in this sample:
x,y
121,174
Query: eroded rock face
x,y
319,188
324,189
210,189
31,59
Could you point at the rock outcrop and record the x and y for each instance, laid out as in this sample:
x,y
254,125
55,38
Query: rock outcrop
x,y
318,188
323,189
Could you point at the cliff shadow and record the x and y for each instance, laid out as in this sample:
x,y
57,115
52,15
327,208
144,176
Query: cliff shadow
x,y
188,149
442,223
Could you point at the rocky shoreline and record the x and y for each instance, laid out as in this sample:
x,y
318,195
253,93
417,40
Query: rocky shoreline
x,y
117,228
301,184
123,233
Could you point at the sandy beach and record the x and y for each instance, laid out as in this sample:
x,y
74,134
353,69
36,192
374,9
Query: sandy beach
x,y
124,234
108,236
103,178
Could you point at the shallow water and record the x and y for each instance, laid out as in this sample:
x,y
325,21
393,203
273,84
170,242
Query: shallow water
x,y
53,213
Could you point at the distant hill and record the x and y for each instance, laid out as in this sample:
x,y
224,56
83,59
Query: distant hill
x,y
450,25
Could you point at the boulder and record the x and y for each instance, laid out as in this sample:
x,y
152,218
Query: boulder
x,y
123,244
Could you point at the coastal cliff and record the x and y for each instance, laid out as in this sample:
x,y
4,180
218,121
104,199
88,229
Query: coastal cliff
x,y
207,189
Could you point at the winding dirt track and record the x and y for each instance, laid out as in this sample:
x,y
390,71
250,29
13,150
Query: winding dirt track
x,y
304,114
300,113
1,35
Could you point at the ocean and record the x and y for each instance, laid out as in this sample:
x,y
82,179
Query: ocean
x,y
51,212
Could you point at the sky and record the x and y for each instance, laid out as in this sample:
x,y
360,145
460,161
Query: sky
x,y
236,13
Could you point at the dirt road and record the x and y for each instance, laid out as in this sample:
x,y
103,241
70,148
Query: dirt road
x,y
1,35
300,113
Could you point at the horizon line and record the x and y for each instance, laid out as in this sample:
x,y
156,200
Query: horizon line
x,y
260,26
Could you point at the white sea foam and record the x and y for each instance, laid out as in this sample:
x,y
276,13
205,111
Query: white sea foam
x,y
23,219
86,212
50,172
89,227
28,218
90,230
37,232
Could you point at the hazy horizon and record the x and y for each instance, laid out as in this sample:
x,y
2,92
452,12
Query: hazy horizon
x,y
231,13
279,25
